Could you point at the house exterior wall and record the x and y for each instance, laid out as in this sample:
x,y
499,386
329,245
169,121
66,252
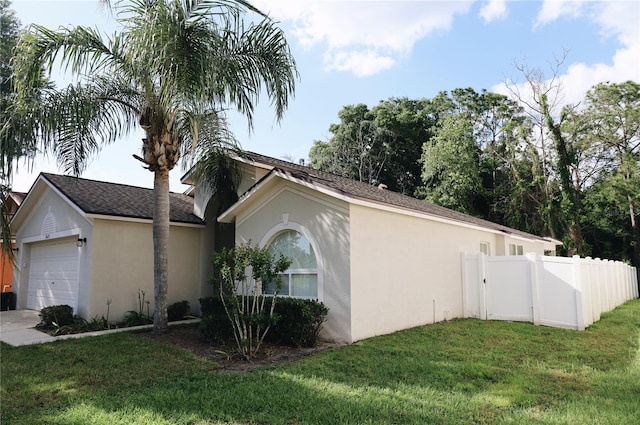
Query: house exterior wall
x,y
406,270
326,220
123,264
69,224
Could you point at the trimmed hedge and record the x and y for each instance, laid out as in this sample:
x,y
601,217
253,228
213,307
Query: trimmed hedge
x,y
215,325
297,321
178,310
56,316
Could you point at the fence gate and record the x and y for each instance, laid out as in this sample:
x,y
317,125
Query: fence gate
x,y
508,289
553,291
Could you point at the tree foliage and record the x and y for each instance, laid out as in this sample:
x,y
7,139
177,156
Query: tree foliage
x,y
571,173
381,145
451,166
613,111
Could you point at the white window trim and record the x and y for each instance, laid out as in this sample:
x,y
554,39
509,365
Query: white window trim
x,y
518,249
291,225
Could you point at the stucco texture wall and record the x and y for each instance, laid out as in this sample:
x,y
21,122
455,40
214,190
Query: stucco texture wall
x,y
405,270
123,264
68,222
325,219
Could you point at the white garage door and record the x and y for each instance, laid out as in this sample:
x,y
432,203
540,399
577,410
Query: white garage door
x,y
53,275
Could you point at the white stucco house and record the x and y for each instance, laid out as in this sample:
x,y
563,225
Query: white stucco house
x,y
380,261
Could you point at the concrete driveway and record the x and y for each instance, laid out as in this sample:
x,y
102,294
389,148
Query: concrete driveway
x,y
17,328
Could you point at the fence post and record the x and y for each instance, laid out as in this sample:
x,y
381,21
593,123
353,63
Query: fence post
x,y
535,287
465,300
577,289
482,282
634,280
604,276
587,291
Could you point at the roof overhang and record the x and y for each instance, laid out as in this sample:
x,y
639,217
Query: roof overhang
x,y
276,175
42,185
29,204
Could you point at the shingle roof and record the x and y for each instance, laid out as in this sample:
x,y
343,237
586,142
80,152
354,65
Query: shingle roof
x,y
112,199
18,196
364,191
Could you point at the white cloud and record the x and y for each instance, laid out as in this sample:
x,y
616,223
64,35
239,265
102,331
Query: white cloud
x,y
363,37
361,63
555,9
493,10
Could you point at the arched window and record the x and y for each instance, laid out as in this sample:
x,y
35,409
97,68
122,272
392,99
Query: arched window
x,y
301,279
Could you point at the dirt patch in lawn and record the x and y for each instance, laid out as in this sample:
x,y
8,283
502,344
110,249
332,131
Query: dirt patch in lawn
x,y
227,355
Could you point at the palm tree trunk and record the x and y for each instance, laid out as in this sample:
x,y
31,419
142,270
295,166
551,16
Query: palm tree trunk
x,y
160,249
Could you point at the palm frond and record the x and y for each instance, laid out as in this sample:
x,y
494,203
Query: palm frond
x,y
80,50
247,60
79,120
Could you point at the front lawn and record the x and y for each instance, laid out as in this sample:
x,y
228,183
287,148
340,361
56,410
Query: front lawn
x,y
460,372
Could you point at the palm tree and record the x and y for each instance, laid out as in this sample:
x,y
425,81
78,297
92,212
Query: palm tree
x,y
172,69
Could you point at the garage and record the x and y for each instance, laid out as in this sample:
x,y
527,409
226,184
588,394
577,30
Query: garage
x,y
53,274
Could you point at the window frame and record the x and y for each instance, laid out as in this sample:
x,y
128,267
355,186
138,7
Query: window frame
x,y
518,249
274,232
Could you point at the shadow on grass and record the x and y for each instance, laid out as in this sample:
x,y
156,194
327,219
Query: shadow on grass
x,y
452,373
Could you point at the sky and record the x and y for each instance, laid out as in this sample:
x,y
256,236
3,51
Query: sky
x,y
351,52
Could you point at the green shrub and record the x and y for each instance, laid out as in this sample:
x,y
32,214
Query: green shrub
x,y
81,325
178,310
135,318
55,316
248,311
215,324
298,322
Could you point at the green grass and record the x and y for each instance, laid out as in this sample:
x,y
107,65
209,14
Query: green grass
x,y
460,372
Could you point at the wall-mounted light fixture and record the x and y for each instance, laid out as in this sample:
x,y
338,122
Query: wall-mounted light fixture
x,y
81,241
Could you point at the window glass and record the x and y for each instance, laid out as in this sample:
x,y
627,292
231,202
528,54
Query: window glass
x,y
295,246
284,286
516,249
304,285
301,279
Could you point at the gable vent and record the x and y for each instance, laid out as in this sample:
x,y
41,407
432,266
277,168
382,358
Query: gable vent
x,y
48,224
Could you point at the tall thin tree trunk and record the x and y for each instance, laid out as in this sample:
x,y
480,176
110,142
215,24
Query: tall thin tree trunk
x,y
569,192
160,248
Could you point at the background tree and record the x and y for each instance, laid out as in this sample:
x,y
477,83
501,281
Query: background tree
x,y
13,144
524,162
407,124
557,151
356,148
451,166
9,27
172,69
381,145
613,111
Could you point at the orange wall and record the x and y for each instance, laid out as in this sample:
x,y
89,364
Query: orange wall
x,y
6,271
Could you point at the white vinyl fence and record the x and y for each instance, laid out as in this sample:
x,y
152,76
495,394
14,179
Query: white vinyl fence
x,y
552,291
